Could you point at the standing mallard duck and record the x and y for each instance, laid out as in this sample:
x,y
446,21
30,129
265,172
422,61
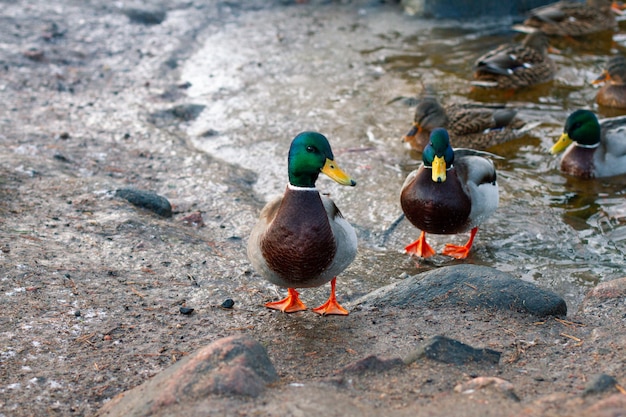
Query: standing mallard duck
x,y
301,239
448,194
598,149
510,67
472,126
569,18
613,92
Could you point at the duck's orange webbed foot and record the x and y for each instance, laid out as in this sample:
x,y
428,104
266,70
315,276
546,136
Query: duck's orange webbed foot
x,y
420,247
460,252
331,306
289,304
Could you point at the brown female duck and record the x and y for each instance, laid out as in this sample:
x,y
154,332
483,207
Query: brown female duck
x,y
301,239
613,92
571,18
510,67
472,126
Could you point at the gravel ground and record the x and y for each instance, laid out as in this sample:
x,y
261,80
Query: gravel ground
x,y
93,285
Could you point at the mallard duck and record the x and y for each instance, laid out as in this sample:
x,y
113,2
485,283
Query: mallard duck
x,y
568,18
470,125
613,92
301,239
449,193
598,148
510,67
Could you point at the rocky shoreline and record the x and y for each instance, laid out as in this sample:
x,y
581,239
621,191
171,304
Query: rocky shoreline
x,y
94,283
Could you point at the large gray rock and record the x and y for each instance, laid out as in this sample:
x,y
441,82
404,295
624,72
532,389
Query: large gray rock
x,y
467,285
236,365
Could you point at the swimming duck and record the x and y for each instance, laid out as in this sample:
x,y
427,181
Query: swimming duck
x,y
510,67
473,126
451,192
598,148
568,18
613,92
301,239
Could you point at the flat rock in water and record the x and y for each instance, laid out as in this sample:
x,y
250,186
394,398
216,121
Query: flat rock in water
x,y
236,365
446,350
467,285
147,200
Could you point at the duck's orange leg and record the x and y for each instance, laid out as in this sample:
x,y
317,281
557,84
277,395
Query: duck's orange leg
x,y
460,252
420,247
289,304
331,306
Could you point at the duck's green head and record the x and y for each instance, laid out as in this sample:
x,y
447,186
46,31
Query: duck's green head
x,y
582,127
438,154
310,154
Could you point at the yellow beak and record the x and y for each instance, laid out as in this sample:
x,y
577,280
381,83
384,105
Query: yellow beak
x,y
561,144
439,169
331,169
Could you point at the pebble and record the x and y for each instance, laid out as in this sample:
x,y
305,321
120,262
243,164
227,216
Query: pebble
x,y
483,382
181,112
612,406
467,285
371,363
599,384
147,200
185,310
610,289
193,219
228,303
446,350
145,16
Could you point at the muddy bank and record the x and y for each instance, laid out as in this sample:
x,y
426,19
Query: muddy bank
x,y
93,286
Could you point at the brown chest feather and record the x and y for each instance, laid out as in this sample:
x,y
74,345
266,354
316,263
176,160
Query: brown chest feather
x,y
299,244
578,161
439,208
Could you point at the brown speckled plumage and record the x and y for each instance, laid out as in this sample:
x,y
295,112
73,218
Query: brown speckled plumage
x,y
568,18
613,92
472,126
516,66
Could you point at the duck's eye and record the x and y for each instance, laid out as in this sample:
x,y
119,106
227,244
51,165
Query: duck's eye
x,y
310,148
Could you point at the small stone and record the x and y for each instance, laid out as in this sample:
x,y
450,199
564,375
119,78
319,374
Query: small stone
x,y
147,200
34,54
186,310
145,16
107,337
228,303
612,406
600,384
482,382
371,363
446,350
610,289
194,219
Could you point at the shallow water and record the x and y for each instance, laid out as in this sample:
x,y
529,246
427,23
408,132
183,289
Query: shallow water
x,y
349,73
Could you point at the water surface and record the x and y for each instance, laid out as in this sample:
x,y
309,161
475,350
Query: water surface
x,y
350,73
